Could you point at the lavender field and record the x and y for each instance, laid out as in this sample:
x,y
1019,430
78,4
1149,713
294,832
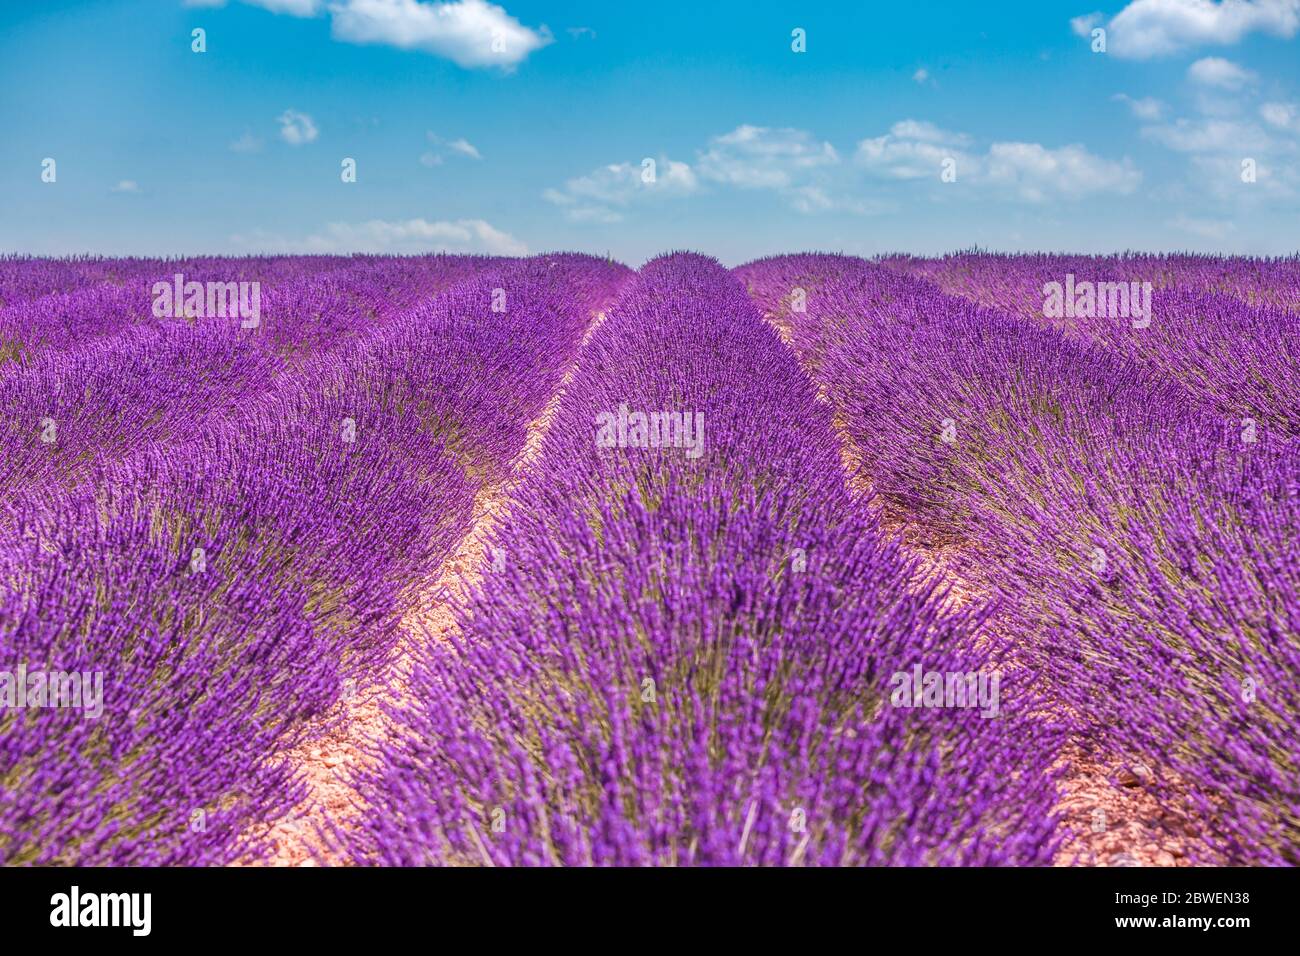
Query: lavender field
x,y
980,560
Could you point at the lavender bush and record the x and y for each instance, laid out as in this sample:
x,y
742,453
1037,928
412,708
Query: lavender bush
x,y
686,659
1146,542
230,565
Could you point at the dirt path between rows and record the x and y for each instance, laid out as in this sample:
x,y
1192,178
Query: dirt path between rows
x,y
327,760
1112,819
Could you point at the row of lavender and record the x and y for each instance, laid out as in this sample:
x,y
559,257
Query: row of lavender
x,y
305,301
27,279
692,646
221,533
1145,535
1187,316
106,380
1014,282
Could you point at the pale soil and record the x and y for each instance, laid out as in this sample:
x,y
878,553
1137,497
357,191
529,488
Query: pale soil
x,y
345,739
1133,829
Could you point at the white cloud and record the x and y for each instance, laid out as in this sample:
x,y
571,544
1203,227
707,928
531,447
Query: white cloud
x,y
247,143
810,177
815,199
1209,136
435,156
295,8
408,236
127,186
1217,72
1216,147
1147,108
1036,172
1216,229
914,150
589,198
559,196
470,33
465,148
1219,175
297,128
759,157
1229,132
1084,25
921,75
579,32
927,132
1281,115
811,199
788,162
620,182
800,169
1152,28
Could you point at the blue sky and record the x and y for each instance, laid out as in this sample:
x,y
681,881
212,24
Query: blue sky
x,y
526,126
